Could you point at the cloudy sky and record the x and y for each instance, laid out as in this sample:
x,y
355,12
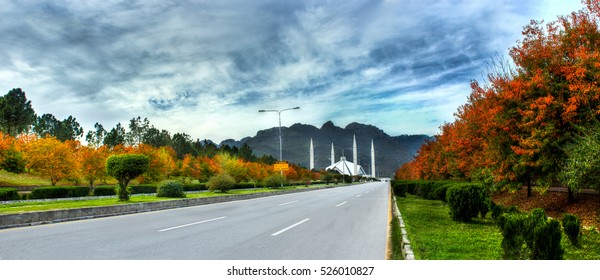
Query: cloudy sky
x,y
206,67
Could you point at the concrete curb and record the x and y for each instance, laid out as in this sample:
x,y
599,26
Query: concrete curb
x,y
407,251
55,216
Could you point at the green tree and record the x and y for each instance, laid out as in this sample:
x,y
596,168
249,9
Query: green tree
x,y
582,168
125,168
182,144
137,129
157,138
16,113
115,136
67,129
96,138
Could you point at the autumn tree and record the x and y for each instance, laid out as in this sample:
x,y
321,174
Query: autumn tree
x,y
51,158
92,163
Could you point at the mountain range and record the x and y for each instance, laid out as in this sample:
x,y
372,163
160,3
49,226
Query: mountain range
x,y
390,151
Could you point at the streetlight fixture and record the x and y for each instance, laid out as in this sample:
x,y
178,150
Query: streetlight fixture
x,y
280,142
279,113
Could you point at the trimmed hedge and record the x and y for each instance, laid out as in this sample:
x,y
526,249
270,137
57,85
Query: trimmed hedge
x,y
432,190
9,194
59,192
466,201
105,191
195,187
142,189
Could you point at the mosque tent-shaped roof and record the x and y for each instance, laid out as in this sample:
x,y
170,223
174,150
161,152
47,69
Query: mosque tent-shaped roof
x,y
346,167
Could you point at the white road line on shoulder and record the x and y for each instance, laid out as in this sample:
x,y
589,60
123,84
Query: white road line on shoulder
x,y
288,203
290,227
341,203
191,224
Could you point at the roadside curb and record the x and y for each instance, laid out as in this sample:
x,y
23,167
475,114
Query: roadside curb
x,y
407,251
56,216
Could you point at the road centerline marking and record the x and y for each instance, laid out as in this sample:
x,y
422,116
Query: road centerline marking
x,y
341,203
191,224
290,227
282,204
358,195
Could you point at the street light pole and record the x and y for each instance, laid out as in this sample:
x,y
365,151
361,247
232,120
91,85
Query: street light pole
x,y
280,141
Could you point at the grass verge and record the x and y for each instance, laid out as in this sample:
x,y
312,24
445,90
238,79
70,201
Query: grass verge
x,y
435,236
31,206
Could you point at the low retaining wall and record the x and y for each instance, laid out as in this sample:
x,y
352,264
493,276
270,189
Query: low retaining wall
x,y
44,217
407,251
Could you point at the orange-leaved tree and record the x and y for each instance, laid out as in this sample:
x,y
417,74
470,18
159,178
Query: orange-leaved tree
x,y
51,158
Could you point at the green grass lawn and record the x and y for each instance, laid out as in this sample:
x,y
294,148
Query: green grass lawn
x,y
435,236
29,206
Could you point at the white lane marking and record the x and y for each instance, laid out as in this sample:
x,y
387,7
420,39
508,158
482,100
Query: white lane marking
x,y
341,203
191,224
290,227
288,203
358,195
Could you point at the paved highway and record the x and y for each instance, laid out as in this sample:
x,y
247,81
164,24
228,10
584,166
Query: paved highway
x,y
342,223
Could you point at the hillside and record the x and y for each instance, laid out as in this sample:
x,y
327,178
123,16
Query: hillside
x,y
390,151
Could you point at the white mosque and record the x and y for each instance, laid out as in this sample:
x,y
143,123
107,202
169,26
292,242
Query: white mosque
x,y
344,166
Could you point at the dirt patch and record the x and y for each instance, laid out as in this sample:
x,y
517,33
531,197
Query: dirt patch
x,y
586,206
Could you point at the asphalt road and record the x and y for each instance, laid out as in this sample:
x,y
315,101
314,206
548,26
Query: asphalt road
x,y
345,223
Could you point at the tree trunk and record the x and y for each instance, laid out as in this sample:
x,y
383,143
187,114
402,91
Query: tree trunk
x,y
571,196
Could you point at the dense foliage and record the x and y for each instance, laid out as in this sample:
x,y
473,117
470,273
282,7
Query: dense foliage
x,y
515,129
466,201
171,189
530,236
8,194
125,168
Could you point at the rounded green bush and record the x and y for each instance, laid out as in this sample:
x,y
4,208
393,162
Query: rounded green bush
x,y
466,201
222,182
171,189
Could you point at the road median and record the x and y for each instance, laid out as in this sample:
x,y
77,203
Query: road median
x,y
55,216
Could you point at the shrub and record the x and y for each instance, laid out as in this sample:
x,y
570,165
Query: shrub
x,y
274,181
512,226
13,162
9,194
171,189
440,189
546,241
530,236
466,201
194,187
59,192
105,191
400,188
142,189
125,168
572,227
222,182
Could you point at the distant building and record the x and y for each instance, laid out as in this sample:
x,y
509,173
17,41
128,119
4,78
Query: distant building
x,y
347,168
